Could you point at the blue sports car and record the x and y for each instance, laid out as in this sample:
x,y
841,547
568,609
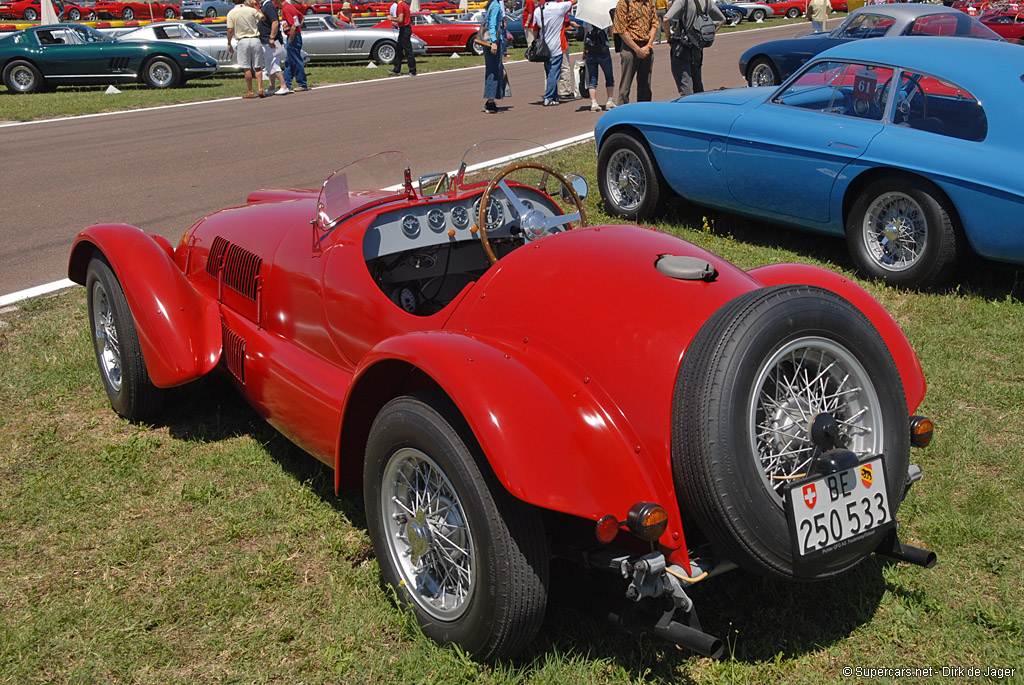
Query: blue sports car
x,y
771,63
904,145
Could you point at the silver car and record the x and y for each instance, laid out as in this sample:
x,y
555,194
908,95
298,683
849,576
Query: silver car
x,y
187,33
326,39
205,8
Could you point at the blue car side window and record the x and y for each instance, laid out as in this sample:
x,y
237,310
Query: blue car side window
x,y
848,89
931,104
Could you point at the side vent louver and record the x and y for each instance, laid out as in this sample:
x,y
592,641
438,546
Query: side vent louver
x,y
234,354
241,267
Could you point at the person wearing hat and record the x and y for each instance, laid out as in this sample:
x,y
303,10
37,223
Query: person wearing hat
x,y
345,14
242,22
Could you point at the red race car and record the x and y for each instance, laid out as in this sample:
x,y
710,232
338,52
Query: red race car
x,y
788,8
1007,22
441,34
29,10
127,11
506,391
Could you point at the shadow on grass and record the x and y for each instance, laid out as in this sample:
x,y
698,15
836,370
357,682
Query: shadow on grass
x,y
993,281
758,619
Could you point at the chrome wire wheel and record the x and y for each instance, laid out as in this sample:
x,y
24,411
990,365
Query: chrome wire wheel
x,y
105,332
428,536
800,380
160,73
762,75
895,231
626,180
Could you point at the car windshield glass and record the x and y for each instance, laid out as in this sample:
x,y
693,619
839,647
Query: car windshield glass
x,y
202,32
84,34
332,23
373,178
863,26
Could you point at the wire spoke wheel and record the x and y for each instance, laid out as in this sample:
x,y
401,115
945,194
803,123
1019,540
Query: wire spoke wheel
x,y
105,331
895,230
627,181
803,379
428,534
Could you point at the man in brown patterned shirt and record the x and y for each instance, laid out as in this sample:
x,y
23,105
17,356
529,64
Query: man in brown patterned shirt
x,y
636,24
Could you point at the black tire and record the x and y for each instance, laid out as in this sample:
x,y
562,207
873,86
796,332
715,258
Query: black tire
x,y
161,72
738,389
211,12
30,14
310,10
629,179
169,13
792,13
384,52
930,246
74,14
757,15
503,605
476,48
116,344
92,16
128,14
22,77
762,72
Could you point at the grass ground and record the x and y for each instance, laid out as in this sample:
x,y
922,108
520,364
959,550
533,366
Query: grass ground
x,y
206,548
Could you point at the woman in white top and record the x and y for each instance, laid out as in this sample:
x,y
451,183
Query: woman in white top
x,y
550,17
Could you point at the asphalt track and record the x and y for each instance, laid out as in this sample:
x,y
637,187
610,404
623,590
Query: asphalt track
x,y
163,169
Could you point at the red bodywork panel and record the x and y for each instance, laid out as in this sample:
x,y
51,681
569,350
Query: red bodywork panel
x,y
442,36
562,357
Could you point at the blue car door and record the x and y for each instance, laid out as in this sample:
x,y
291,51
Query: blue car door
x,y
784,157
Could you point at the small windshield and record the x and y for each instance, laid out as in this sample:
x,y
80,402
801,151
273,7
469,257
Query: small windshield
x,y
863,26
365,180
495,153
202,31
332,22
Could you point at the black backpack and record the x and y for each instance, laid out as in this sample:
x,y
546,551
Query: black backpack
x,y
596,41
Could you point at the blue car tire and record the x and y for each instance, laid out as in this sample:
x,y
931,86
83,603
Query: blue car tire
x,y
901,230
629,179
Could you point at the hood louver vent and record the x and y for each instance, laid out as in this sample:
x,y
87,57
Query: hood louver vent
x,y
241,267
234,354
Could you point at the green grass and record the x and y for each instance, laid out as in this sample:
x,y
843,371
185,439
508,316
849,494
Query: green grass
x,y
206,548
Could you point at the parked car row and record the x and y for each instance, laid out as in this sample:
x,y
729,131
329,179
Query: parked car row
x,y
29,10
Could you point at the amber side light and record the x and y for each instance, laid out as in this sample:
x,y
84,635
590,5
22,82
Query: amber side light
x,y
647,520
606,529
921,429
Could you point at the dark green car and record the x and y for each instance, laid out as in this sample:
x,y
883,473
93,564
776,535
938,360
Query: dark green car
x,y
44,57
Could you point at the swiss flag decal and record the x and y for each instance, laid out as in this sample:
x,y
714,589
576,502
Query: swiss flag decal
x,y
810,496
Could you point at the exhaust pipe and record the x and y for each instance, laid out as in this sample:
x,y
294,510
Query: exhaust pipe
x,y
892,547
634,619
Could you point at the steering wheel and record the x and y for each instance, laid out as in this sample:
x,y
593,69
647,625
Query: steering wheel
x,y
533,222
903,99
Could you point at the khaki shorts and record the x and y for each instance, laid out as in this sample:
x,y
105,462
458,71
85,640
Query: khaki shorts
x,y
249,53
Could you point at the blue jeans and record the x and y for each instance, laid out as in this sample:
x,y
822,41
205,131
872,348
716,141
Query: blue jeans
x,y
294,68
554,67
603,60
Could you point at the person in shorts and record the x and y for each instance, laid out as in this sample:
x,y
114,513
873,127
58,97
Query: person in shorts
x,y
243,26
270,38
597,54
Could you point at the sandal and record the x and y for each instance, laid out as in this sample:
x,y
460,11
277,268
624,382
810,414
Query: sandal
x,y
249,96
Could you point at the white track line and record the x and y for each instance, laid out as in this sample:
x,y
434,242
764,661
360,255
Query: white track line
x,y
557,145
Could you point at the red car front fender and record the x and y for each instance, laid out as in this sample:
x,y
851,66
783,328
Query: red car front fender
x,y
178,327
551,435
907,363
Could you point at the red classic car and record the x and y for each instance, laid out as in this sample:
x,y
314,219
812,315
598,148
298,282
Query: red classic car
x,y
29,10
507,391
441,34
1007,22
788,8
128,11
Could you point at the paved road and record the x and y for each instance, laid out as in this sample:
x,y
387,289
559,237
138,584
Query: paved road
x,y
164,169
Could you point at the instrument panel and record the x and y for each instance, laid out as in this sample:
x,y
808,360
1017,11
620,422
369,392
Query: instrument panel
x,y
438,222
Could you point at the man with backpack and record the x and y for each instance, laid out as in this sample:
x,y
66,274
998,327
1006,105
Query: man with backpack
x,y
691,25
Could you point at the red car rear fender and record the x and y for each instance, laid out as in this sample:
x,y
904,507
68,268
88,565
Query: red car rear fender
x,y
903,354
551,435
179,328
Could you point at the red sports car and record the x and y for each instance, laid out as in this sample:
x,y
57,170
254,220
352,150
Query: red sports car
x,y
1007,22
507,391
29,10
441,34
128,11
788,8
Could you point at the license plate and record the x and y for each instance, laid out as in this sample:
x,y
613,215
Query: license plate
x,y
831,511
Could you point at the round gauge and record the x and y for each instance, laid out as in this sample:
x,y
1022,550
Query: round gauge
x,y
495,214
407,300
460,216
435,219
512,208
410,225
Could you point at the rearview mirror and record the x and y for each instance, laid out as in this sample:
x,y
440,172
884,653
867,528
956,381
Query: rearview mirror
x,y
579,184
